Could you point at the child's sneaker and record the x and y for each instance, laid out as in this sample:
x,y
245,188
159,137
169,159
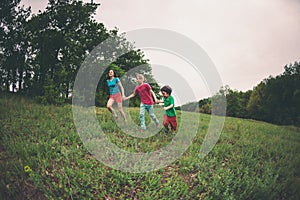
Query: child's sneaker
x,y
166,130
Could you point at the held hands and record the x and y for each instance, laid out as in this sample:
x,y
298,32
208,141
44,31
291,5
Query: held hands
x,y
126,98
158,101
161,101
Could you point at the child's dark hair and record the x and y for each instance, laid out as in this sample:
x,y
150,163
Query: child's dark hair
x,y
166,89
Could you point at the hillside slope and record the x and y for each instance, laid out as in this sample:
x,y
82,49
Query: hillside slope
x,y
43,157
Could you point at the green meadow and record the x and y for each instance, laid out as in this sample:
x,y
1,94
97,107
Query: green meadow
x,y
42,156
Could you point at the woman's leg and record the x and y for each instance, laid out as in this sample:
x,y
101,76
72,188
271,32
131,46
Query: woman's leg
x,y
109,106
120,108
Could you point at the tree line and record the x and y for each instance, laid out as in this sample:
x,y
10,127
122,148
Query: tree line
x,y
274,99
40,54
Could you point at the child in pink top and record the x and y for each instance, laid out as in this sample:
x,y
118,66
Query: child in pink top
x,y
145,93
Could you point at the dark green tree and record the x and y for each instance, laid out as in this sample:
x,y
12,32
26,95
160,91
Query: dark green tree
x,y
61,38
13,47
237,103
276,99
45,52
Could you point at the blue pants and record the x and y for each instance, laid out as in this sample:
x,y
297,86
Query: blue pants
x,y
150,110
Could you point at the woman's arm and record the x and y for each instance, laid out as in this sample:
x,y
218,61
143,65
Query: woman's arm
x,y
130,96
121,88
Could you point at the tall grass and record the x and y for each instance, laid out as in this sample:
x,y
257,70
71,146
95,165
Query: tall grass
x,y
43,157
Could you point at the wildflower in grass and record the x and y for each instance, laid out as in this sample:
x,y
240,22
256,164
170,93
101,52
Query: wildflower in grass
x,y
27,169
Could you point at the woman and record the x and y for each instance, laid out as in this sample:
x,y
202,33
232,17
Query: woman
x,y
116,92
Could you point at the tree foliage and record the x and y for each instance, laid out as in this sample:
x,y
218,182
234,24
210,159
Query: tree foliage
x,y
275,99
13,44
41,54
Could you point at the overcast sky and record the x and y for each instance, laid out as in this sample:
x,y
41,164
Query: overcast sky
x,y
247,40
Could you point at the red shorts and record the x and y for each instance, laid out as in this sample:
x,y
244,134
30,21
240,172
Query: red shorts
x,y
170,120
116,97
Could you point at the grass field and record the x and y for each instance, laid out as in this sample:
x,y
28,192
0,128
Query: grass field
x,y
43,157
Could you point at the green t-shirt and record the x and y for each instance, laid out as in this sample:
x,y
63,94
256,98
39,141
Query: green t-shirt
x,y
168,101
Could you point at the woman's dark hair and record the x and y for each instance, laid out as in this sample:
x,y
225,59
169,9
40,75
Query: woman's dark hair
x,y
115,73
166,89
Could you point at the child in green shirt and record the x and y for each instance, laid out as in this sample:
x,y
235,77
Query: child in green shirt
x,y
169,108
